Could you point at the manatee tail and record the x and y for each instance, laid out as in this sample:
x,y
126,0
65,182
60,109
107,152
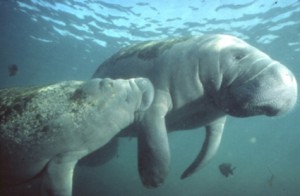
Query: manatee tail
x,y
209,148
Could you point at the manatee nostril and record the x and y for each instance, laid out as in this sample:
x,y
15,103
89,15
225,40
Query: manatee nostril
x,y
287,78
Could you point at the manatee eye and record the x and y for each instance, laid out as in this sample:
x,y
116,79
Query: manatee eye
x,y
238,55
106,83
78,94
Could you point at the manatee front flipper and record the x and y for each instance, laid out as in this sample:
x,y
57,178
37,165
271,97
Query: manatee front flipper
x,y
209,148
58,175
153,145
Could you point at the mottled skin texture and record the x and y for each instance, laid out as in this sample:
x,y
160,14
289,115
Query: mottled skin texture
x,y
198,81
45,130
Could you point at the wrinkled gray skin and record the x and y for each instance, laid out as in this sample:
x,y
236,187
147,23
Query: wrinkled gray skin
x,y
44,131
198,81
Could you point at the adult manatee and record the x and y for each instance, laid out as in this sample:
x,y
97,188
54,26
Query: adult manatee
x,y
45,130
197,82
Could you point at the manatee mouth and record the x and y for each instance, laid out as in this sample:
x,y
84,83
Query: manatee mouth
x,y
273,92
265,106
145,86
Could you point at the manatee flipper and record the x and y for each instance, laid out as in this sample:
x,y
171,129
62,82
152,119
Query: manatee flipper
x,y
153,145
58,175
209,148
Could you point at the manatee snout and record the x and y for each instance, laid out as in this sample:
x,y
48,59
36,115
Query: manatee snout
x,y
271,92
282,92
275,90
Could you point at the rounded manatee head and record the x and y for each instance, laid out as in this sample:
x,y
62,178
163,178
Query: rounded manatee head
x,y
118,103
137,92
252,83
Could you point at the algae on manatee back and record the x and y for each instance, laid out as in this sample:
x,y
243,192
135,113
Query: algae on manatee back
x,y
149,49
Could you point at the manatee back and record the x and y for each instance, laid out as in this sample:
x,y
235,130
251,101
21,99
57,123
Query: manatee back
x,y
139,60
25,113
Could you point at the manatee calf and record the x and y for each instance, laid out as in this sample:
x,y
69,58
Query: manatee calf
x,y
198,81
45,130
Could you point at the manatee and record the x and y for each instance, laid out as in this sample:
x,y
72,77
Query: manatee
x,y
198,81
45,130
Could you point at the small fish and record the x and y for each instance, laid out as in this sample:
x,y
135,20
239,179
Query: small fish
x,y
12,70
226,169
271,179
